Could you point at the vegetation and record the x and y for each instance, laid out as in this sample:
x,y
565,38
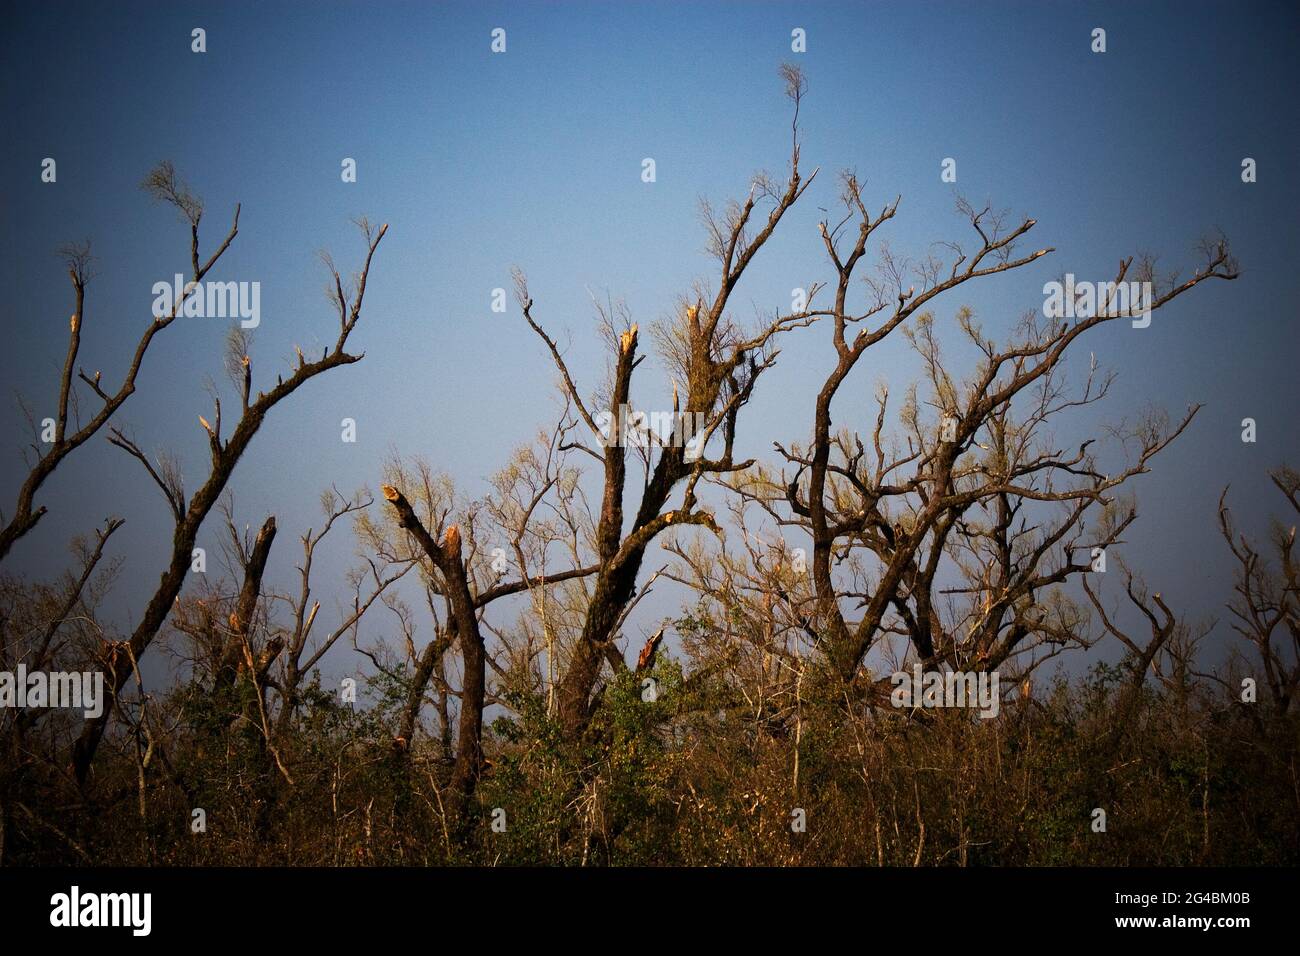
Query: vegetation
x,y
499,718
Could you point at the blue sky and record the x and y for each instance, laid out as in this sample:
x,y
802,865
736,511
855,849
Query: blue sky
x,y
480,162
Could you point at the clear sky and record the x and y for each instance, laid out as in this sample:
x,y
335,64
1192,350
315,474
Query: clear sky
x,y
481,161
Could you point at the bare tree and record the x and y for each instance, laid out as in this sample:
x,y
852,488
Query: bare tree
x,y
458,575
718,364
368,585
1142,657
188,516
1267,599
163,184
968,478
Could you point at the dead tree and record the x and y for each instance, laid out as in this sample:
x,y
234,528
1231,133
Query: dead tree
x,y
453,574
40,626
1142,657
53,610
447,557
970,476
236,642
718,364
163,185
188,516
298,643
239,636
1267,600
